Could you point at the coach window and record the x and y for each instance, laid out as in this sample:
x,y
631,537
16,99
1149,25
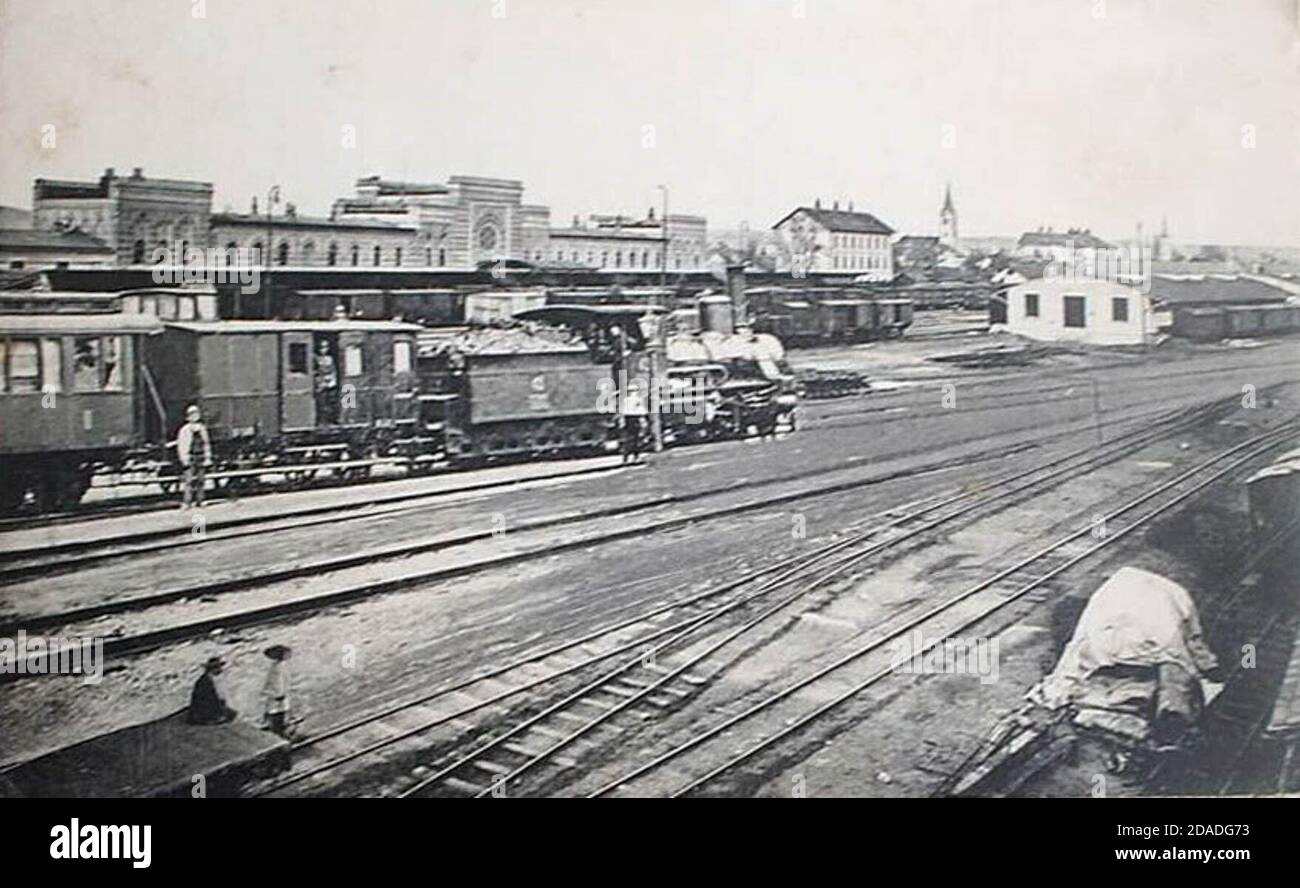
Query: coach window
x,y
1119,309
24,370
51,365
352,360
401,357
1031,305
298,358
96,363
377,254
333,256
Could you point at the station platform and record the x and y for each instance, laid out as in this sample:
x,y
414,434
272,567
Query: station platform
x,y
218,513
157,758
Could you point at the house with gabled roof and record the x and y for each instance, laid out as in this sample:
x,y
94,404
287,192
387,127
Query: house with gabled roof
x,y
835,240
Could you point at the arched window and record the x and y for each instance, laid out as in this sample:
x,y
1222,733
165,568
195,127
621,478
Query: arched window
x,y
377,254
257,251
332,257
428,255
137,253
397,256
282,254
604,257
618,259
308,252
356,255
442,256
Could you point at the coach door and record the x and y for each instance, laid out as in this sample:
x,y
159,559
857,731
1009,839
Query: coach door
x,y
356,372
297,398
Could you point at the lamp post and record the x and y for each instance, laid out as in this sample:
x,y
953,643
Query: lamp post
x,y
272,198
655,346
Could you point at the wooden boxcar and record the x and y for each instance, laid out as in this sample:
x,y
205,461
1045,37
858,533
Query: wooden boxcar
x,y
72,397
892,316
258,383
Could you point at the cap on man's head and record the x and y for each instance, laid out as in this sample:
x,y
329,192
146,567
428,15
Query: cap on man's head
x,y
214,663
192,412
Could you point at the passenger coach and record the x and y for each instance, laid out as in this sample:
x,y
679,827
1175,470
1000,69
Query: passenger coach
x,y
73,394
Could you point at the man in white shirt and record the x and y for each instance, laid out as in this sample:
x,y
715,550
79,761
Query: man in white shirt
x,y
194,450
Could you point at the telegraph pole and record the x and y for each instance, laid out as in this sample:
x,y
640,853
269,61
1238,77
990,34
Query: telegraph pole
x,y
655,347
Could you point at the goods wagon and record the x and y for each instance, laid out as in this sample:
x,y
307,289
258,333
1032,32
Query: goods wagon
x,y
291,392
1244,320
73,395
892,316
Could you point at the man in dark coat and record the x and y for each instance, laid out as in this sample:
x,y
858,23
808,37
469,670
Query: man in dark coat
x,y
207,707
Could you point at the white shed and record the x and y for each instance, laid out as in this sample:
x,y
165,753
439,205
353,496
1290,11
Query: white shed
x,y
1093,311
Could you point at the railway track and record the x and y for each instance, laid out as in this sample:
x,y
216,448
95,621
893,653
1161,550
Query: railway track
x,y
52,559
123,645
867,665
644,680
18,564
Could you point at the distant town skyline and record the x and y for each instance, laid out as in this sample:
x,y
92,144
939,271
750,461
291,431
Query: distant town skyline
x,y
1089,113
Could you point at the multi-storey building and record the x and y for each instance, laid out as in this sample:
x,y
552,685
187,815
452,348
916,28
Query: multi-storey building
x,y
460,224
819,240
132,214
621,243
466,221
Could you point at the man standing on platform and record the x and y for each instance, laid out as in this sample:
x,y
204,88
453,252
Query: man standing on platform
x,y
194,450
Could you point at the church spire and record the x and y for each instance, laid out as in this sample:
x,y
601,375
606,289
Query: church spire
x,y
948,218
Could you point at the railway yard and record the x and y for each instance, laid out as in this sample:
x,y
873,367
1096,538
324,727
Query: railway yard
x,y
718,619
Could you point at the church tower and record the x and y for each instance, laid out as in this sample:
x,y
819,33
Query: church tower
x,y
948,219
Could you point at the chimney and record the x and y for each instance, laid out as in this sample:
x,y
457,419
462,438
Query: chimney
x,y
575,220
137,172
835,206
817,204
651,216
850,206
108,173
253,210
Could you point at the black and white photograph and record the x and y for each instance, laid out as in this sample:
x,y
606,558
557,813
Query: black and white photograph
x,y
436,399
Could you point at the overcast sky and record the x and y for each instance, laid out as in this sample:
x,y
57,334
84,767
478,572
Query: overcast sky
x,y
1096,113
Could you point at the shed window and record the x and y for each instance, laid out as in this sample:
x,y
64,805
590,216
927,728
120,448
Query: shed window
x,y
298,358
1031,305
24,366
352,360
1119,309
401,357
